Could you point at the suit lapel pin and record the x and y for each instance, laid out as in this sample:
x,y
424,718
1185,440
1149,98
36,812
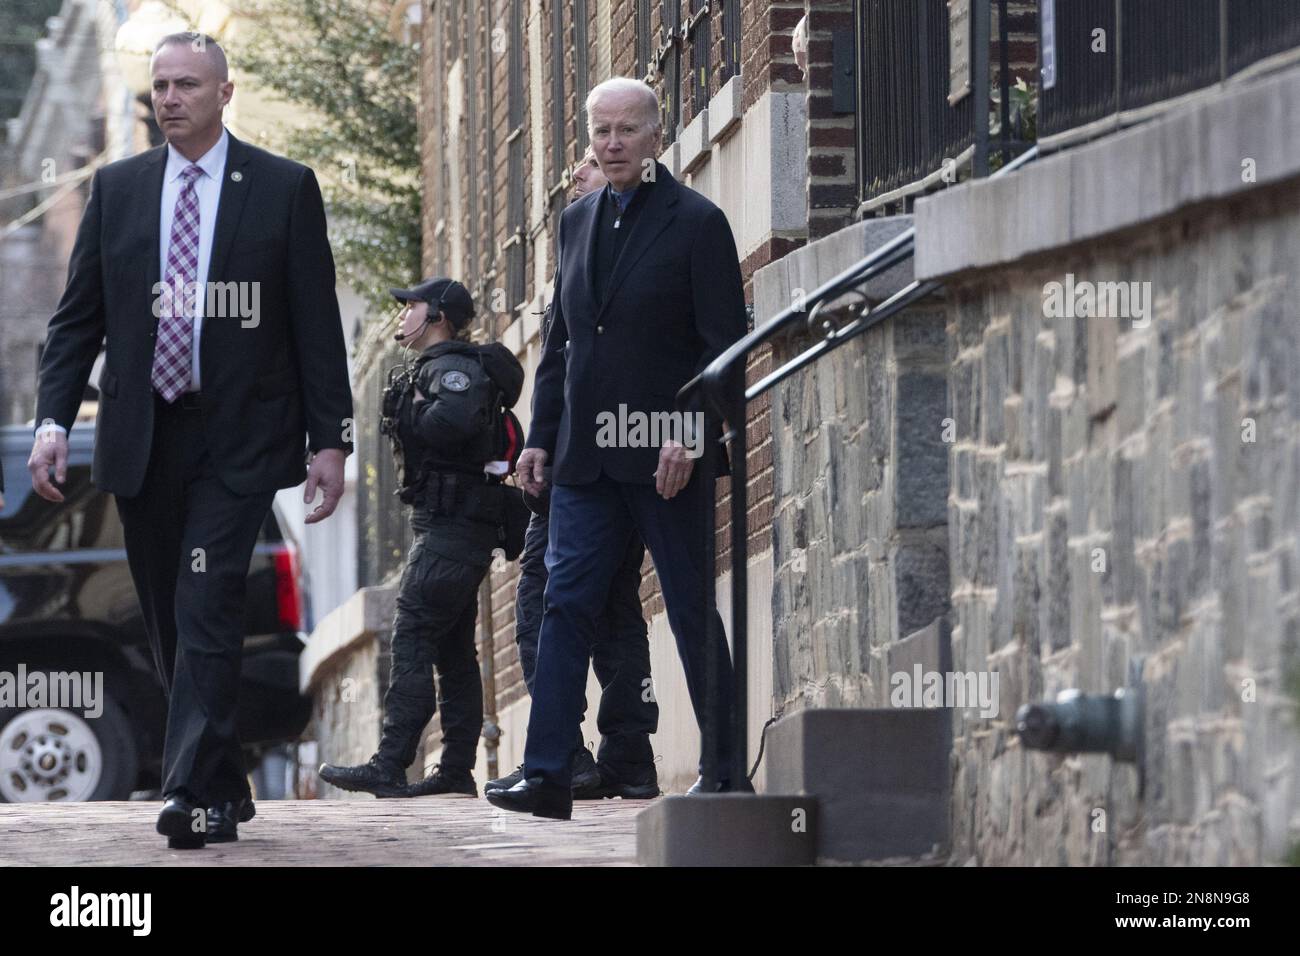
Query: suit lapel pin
x,y
236,176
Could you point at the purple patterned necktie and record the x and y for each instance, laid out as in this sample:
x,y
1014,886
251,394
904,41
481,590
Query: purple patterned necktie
x,y
171,357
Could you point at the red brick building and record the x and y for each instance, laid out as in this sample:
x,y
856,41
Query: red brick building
x,y
503,87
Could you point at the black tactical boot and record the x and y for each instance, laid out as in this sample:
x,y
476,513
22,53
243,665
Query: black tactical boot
x,y
629,781
444,780
585,780
506,782
374,776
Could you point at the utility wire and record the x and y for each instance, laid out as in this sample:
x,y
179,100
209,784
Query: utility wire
x,y
38,185
44,205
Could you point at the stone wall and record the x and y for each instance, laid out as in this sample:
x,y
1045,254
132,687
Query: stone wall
x,y
1126,496
1125,491
347,711
988,487
344,668
860,538
860,477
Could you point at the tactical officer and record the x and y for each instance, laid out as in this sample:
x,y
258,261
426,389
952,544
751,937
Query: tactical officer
x,y
442,415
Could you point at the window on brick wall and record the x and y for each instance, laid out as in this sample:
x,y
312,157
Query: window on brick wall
x,y
699,36
439,124
472,124
490,50
557,91
669,55
643,49
453,36
730,39
581,76
558,126
515,242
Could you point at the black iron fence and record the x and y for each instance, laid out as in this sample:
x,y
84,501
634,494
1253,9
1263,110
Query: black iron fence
x,y
906,125
1103,57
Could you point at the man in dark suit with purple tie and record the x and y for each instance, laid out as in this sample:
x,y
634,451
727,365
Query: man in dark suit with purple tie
x,y
204,268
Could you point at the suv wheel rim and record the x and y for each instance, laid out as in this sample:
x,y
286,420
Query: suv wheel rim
x,y
49,755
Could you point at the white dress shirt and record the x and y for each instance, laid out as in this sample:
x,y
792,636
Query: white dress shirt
x,y
208,189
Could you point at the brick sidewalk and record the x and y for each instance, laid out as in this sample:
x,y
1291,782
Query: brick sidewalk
x,y
430,831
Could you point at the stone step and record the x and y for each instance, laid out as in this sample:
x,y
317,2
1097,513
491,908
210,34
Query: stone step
x,y
880,778
728,829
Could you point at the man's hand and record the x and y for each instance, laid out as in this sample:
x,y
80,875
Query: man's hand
x,y
674,469
49,450
326,472
529,469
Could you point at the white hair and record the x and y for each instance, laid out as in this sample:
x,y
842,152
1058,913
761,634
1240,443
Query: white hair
x,y
799,39
623,84
799,45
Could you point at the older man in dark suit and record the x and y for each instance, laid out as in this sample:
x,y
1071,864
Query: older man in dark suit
x,y
204,267
647,292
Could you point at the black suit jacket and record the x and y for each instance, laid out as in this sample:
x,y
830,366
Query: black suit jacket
x,y
266,381
675,301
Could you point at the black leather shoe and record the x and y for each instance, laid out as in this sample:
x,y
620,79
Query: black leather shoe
x,y
630,783
443,780
535,796
722,786
369,777
585,779
183,821
506,782
224,819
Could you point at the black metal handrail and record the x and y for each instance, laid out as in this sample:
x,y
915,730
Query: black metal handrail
x,y
726,399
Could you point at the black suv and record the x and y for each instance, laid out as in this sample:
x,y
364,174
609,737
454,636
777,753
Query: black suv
x,y
68,611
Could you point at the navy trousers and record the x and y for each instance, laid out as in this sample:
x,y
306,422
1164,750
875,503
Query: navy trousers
x,y
590,528
628,713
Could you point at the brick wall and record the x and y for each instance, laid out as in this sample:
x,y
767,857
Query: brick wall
x,y
1022,42
832,160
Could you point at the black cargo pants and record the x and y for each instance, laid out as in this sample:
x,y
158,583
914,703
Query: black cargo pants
x,y
433,630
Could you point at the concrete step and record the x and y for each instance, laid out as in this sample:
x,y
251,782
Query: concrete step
x,y
728,829
880,778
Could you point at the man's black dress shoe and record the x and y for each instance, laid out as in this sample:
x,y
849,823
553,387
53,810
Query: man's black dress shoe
x,y
535,796
722,786
369,777
183,821
224,819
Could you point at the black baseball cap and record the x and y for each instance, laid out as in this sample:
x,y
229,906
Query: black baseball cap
x,y
445,294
